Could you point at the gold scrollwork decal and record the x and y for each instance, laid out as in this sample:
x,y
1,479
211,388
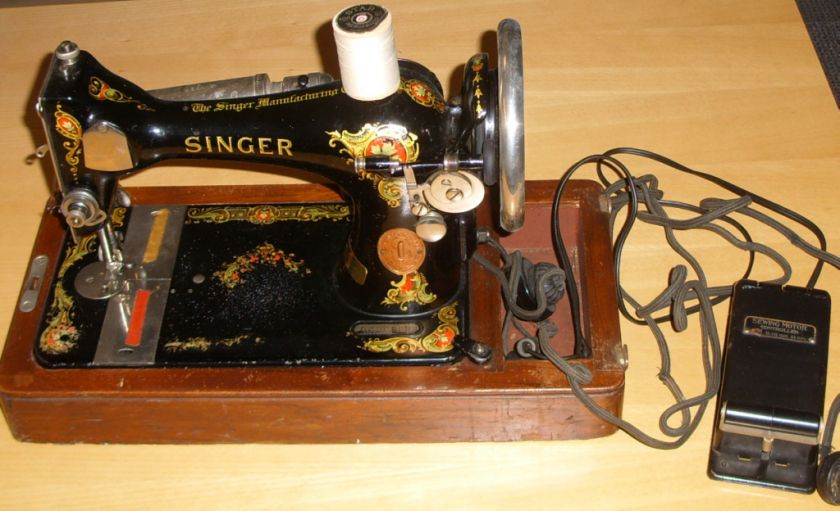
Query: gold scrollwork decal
x,y
267,214
386,140
104,92
233,273
389,140
390,189
477,65
118,217
204,344
411,288
61,335
440,340
70,128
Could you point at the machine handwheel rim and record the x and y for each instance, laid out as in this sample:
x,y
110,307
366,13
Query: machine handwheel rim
x,y
511,126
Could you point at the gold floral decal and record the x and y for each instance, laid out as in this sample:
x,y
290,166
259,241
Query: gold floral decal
x,y
104,92
412,288
232,274
388,140
441,340
421,94
477,65
389,188
61,335
69,128
264,214
204,344
118,217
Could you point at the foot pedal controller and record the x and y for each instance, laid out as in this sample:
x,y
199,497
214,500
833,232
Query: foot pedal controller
x,y
770,404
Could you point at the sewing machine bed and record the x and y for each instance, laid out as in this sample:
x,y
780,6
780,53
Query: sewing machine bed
x,y
250,285
211,383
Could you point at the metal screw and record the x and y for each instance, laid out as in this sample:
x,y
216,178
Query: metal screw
x,y
479,352
67,52
419,209
76,217
454,194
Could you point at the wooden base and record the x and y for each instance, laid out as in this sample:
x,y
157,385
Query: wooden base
x,y
505,399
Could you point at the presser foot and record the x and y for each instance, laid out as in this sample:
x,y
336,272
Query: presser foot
x,y
100,280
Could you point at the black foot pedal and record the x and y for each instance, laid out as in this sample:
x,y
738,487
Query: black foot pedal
x,y
772,394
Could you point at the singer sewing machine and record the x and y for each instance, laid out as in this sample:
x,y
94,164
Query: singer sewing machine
x,y
298,312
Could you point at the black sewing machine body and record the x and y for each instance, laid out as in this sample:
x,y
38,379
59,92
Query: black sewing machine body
x,y
340,283
351,312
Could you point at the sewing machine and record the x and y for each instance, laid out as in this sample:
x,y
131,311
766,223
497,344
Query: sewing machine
x,y
353,312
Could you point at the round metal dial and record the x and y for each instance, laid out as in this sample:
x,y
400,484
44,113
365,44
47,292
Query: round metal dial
x,y
401,251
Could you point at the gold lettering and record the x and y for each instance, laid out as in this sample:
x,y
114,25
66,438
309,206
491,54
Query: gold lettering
x,y
223,106
240,144
263,102
243,145
284,146
222,144
263,144
192,145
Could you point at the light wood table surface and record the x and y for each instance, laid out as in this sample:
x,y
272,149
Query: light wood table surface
x,y
733,88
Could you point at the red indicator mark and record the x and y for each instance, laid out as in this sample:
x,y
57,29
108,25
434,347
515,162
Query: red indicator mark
x,y
138,317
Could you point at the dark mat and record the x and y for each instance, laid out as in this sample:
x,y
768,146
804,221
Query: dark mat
x,y
822,18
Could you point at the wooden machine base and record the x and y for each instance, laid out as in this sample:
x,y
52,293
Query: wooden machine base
x,y
506,399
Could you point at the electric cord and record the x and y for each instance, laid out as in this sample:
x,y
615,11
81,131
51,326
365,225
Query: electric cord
x,y
710,210
828,472
547,288
830,424
737,190
683,297
719,293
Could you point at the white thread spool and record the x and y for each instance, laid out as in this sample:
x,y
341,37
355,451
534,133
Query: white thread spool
x,y
367,55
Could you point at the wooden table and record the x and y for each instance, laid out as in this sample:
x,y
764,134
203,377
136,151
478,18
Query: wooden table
x,y
733,88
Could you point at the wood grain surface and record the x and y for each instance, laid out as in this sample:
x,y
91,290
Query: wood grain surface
x,y
733,88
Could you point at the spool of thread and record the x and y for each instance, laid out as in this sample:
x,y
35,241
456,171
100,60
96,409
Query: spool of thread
x,y
367,55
